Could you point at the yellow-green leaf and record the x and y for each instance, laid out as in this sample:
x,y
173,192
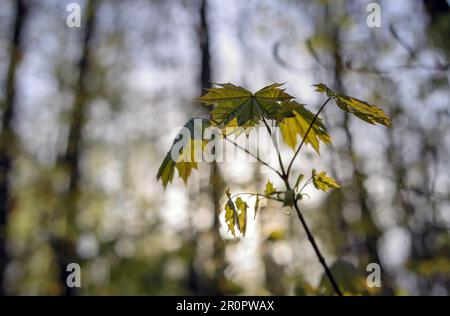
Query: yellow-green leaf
x,y
166,171
299,180
363,110
230,216
269,188
322,182
241,215
236,214
296,123
256,206
191,147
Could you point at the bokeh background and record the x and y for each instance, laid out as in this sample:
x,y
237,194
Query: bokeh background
x,y
87,115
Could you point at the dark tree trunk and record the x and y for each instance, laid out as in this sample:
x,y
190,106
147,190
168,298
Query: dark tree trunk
x,y
8,140
214,286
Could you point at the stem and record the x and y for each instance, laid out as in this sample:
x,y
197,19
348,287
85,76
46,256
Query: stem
x,y
254,156
262,196
306,183
306,135
317,250
313,243
275,144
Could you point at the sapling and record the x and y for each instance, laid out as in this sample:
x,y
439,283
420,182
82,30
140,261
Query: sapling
x,y
235,110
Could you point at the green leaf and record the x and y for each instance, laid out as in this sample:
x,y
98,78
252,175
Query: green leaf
x,y
322,182
230,213
363,110
230,216
299,179
233,102
296,122
236,214
241,215
166,170
269,188
185,160
256,206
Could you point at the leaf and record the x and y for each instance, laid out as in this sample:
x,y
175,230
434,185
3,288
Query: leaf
x,y
299,180
236,214
256,207
297,121
241,215
363,110
322,182
185,160
230,216
166,170
230,213
232,102
269,188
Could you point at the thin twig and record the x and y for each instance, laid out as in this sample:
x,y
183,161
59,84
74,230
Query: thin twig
x,y
306,135
254,156
275,144
317,250
262,196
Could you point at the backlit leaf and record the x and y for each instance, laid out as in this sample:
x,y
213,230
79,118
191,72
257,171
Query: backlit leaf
x,y
296,123
232,102
299,180
191,147
230,214
256,206
322,182
269,188
363,110
241,215
236,214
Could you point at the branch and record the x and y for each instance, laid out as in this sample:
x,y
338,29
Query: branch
x,y
254,156
275,144
317,251
262,196
306,135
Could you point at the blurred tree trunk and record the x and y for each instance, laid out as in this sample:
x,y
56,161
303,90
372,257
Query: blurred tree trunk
x,y
216,285
8,139
70,160
370,230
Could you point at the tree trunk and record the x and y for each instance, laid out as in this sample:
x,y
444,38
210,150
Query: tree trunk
x,y
8,139
217,282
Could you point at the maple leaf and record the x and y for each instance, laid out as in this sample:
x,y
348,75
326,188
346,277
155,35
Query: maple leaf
x,y
269,188
241,215
190,143
363,110
236,214
296,122
322,182
233,102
